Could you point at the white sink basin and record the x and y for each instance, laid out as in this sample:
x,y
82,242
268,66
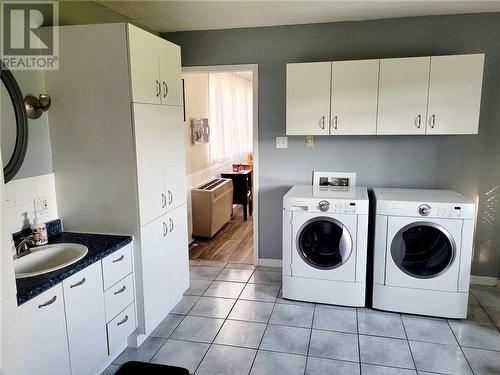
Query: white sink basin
x,y
48,258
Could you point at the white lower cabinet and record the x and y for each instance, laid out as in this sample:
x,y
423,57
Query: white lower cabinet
x,y
85,320
178,258
39,336
74,327
118,297
155,280
120,328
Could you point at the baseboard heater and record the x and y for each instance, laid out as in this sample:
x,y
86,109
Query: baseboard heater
x,y
212,206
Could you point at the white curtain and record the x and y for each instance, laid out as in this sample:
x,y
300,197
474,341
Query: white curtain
x,y
230,116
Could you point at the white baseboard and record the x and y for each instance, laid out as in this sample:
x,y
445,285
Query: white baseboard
x,y
484,280
270,262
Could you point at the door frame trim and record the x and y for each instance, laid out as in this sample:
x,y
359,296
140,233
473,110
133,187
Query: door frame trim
x,y
254,68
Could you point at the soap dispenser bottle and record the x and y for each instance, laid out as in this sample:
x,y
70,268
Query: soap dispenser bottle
x,y
39,231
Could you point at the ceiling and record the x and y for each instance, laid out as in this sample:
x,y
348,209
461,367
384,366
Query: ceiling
x,y
166,16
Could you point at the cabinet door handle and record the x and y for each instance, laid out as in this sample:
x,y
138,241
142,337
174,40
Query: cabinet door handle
x,y
165,229
119,259
418,121
170,197
121,290
322,122
158,88
122,321
163,200
165,86
335,122
171,224
49,302
432,121
78,283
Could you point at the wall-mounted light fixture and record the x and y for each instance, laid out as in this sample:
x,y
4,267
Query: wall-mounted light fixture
x,y
36,106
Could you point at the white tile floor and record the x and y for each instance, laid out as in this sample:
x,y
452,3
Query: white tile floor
x,y
233,321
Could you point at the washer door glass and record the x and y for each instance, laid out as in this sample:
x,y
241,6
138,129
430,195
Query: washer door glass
x,y
324,243
423,250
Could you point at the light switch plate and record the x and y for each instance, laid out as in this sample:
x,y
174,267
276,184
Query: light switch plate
x,y
281,142
309,140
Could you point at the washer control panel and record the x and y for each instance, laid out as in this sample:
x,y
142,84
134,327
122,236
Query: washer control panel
x,y
337,207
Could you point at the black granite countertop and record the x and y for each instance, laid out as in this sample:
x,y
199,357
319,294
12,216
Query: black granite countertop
x,y
99,245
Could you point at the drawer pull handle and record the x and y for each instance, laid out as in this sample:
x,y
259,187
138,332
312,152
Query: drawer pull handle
x,y
49,302
121,290
171,225
119,259
123,320
78,283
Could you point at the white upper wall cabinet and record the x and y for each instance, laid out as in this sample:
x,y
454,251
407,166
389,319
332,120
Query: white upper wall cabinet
x,y
144,66
155,68
170,71
354,97
455,94
402,100
308,98
419,95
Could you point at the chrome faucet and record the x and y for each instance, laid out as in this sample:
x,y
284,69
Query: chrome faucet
x,y
24,246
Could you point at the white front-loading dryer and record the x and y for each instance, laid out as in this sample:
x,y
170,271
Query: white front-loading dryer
x,y
422,251
325,234
324,246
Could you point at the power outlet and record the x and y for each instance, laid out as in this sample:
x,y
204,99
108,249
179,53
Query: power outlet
x,y
41,204
281,142
309,141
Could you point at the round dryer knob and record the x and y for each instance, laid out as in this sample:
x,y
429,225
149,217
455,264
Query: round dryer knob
x,y
424,209
324,206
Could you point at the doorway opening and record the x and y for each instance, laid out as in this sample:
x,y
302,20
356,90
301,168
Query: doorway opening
x,y
220,118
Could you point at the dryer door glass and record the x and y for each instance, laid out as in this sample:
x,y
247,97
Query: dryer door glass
x,y
324,243
423,250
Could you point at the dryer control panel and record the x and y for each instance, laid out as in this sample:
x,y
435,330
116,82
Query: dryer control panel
x,y
440,210
342,207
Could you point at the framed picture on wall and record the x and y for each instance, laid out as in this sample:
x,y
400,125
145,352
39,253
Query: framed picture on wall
x,y
199,131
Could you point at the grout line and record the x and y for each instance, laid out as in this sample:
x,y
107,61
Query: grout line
x,y
265,330
357,334
310,337
460,346
222,325
408,342
485,311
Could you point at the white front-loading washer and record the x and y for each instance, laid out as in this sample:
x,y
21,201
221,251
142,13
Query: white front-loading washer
x,y
422,252
325,233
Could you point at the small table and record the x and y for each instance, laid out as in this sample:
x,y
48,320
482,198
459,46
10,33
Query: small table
x,y
242,190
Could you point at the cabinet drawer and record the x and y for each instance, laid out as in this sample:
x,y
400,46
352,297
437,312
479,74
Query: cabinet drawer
x,y
119,296
120,328
116,266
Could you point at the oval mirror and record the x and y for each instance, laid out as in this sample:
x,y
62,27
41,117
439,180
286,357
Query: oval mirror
x,y
13,125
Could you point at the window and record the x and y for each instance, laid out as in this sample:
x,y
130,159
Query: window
x,y
231,111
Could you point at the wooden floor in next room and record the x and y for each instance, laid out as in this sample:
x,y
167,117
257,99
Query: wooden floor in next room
x,y
233,243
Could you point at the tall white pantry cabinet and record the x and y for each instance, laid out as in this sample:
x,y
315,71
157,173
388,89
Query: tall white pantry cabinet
x,y
119,163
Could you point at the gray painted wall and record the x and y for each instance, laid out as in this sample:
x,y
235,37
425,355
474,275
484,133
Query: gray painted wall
x,y
468,164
